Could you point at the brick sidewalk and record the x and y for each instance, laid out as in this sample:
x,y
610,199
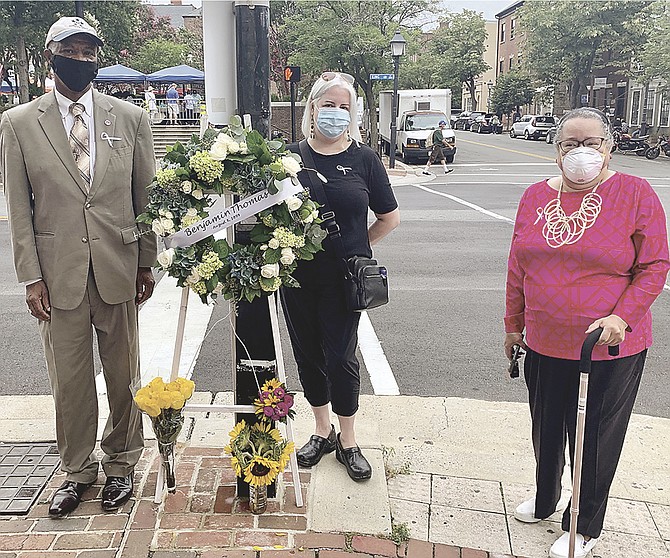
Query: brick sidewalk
x,y
203,519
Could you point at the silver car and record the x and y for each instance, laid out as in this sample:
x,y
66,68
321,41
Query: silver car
x,y
532,126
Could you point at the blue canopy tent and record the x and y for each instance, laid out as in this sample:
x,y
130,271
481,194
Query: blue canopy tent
x,y
178,74
120,74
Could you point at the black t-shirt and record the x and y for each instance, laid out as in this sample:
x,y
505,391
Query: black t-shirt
x,y
357,180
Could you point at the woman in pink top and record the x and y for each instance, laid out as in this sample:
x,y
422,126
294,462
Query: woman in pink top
x,y
589,250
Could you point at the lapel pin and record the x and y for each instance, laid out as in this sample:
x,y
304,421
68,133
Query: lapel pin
x,y
108,122
109,139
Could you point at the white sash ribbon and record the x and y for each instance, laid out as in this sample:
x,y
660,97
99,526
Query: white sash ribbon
x,y
237,212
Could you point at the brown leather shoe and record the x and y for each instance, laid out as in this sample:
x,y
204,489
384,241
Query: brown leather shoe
x,y
312,452
117,491
67,498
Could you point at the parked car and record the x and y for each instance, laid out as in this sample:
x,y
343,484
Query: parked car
x,y
466,119
487,123
551,134
532,126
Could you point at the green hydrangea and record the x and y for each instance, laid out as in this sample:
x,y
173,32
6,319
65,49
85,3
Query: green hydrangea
x,y
276,283
210,264
206,169
287,239
199,288
166,177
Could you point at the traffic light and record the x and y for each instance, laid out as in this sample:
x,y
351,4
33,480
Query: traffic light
x,y
292,74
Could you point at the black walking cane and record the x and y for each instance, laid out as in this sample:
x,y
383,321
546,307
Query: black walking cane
x,y
584,371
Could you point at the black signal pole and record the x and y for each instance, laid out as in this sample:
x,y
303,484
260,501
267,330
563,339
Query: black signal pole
x,y
79,8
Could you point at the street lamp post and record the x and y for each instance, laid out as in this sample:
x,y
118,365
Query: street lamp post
x,y
397,50
488,99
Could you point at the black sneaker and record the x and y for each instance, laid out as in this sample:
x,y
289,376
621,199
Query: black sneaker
x,y
425,172
448,171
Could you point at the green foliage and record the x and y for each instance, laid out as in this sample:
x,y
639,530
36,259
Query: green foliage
x,y
459,44
655,55
512,90
566,41
400,532
158,54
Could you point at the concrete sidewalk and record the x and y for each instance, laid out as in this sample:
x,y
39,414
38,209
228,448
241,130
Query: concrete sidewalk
x,y
449,470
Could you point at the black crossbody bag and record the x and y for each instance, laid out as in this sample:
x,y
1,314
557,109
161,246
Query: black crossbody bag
x,y
366,282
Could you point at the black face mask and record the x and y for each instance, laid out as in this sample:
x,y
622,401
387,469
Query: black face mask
x,y
75,74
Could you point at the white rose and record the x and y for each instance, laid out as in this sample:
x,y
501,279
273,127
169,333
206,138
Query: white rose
x,y
193,278
308,219
274,243
293,203
167,223
169,214
315,214
219,150
291,166
287,256
197,194
186,186
270,270
166,258
191,212
244,150
233,147
158,227
264,247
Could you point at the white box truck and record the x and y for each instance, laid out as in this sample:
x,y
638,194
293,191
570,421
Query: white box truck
x,y
419,112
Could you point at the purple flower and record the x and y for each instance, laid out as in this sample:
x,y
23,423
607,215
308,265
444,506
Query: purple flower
x,y
282,408
268,411
279,392
265,395
288,400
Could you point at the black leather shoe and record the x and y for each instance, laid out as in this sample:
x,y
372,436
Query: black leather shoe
x,y
352,458
67,498
312,452
117,491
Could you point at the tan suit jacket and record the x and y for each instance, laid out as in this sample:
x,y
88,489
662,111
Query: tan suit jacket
x,y
58,228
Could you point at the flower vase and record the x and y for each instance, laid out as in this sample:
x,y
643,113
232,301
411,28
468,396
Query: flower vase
x,y
258,499
167,459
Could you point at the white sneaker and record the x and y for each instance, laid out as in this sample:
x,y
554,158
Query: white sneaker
x,y
561,547
525,512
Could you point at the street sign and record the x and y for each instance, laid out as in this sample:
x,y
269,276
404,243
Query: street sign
x,y
292,74
381,76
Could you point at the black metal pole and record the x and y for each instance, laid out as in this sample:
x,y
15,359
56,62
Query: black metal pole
x,y
292,84
394,111
79,8
253,327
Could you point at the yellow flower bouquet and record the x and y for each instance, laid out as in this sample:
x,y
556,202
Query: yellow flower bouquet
x,y
164,403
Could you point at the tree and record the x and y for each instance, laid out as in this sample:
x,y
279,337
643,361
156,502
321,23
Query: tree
x,y
158,54
566,41
352,37
460,44
655,54
512,91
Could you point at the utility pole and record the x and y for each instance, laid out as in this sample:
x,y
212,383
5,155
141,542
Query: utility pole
x,y
79,8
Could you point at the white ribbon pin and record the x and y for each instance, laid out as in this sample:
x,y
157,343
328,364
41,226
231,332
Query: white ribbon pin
x,y
105,136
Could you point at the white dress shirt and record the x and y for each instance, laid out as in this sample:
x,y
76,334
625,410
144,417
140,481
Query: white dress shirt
x,y
68,121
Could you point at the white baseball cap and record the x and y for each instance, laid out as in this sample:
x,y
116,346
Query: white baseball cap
x,y
67,26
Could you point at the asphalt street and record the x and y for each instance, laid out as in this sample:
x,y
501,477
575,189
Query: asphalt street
x,y
442,331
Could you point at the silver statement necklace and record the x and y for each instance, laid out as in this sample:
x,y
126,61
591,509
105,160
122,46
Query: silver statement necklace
x,y
560,229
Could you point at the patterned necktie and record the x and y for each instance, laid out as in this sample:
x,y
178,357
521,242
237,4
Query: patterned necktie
x,y
79,143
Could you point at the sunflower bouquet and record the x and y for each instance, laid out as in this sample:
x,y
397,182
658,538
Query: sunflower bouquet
x,y
274,401
164,403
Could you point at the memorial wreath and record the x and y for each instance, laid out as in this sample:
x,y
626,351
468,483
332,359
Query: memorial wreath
x,y
183,210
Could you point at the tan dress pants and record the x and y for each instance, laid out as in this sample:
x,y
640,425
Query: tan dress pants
x,y
68,347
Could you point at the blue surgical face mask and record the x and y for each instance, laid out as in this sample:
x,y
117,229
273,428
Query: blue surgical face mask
x,y
332,122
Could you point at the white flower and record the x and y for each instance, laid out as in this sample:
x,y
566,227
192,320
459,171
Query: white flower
x,y
191,212
166,258
197,194
244,150
233,147
270,270
218,289
219,150
291,166
293,203
309,218
193,278
167,223
186,186
158,227
287,256
315,213
274,243
264,247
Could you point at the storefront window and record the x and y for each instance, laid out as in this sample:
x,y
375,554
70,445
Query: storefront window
x,y
635,108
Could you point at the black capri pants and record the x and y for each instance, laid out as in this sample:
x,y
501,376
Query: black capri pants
x,y
553,388
324,335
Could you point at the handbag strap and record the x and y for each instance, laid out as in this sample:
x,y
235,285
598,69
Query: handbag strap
x,y
327,215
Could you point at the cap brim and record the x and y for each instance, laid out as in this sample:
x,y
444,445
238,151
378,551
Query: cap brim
x,y
69,32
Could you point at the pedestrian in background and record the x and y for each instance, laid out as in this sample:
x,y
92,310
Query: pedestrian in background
x,y
589,250
172,97
76,164
150,100
438,141
323,330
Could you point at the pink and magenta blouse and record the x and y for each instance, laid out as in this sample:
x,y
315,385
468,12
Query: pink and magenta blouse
x,y
619,266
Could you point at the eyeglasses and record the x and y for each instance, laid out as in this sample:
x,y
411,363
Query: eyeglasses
x,y
328,76
569,145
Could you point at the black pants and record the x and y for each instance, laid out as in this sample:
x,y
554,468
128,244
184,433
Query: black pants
x,y
324,335
553,387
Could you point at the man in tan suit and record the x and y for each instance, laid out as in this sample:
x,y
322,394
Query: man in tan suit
x,y
76,164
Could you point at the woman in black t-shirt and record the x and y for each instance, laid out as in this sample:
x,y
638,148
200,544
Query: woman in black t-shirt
x,y
323,331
